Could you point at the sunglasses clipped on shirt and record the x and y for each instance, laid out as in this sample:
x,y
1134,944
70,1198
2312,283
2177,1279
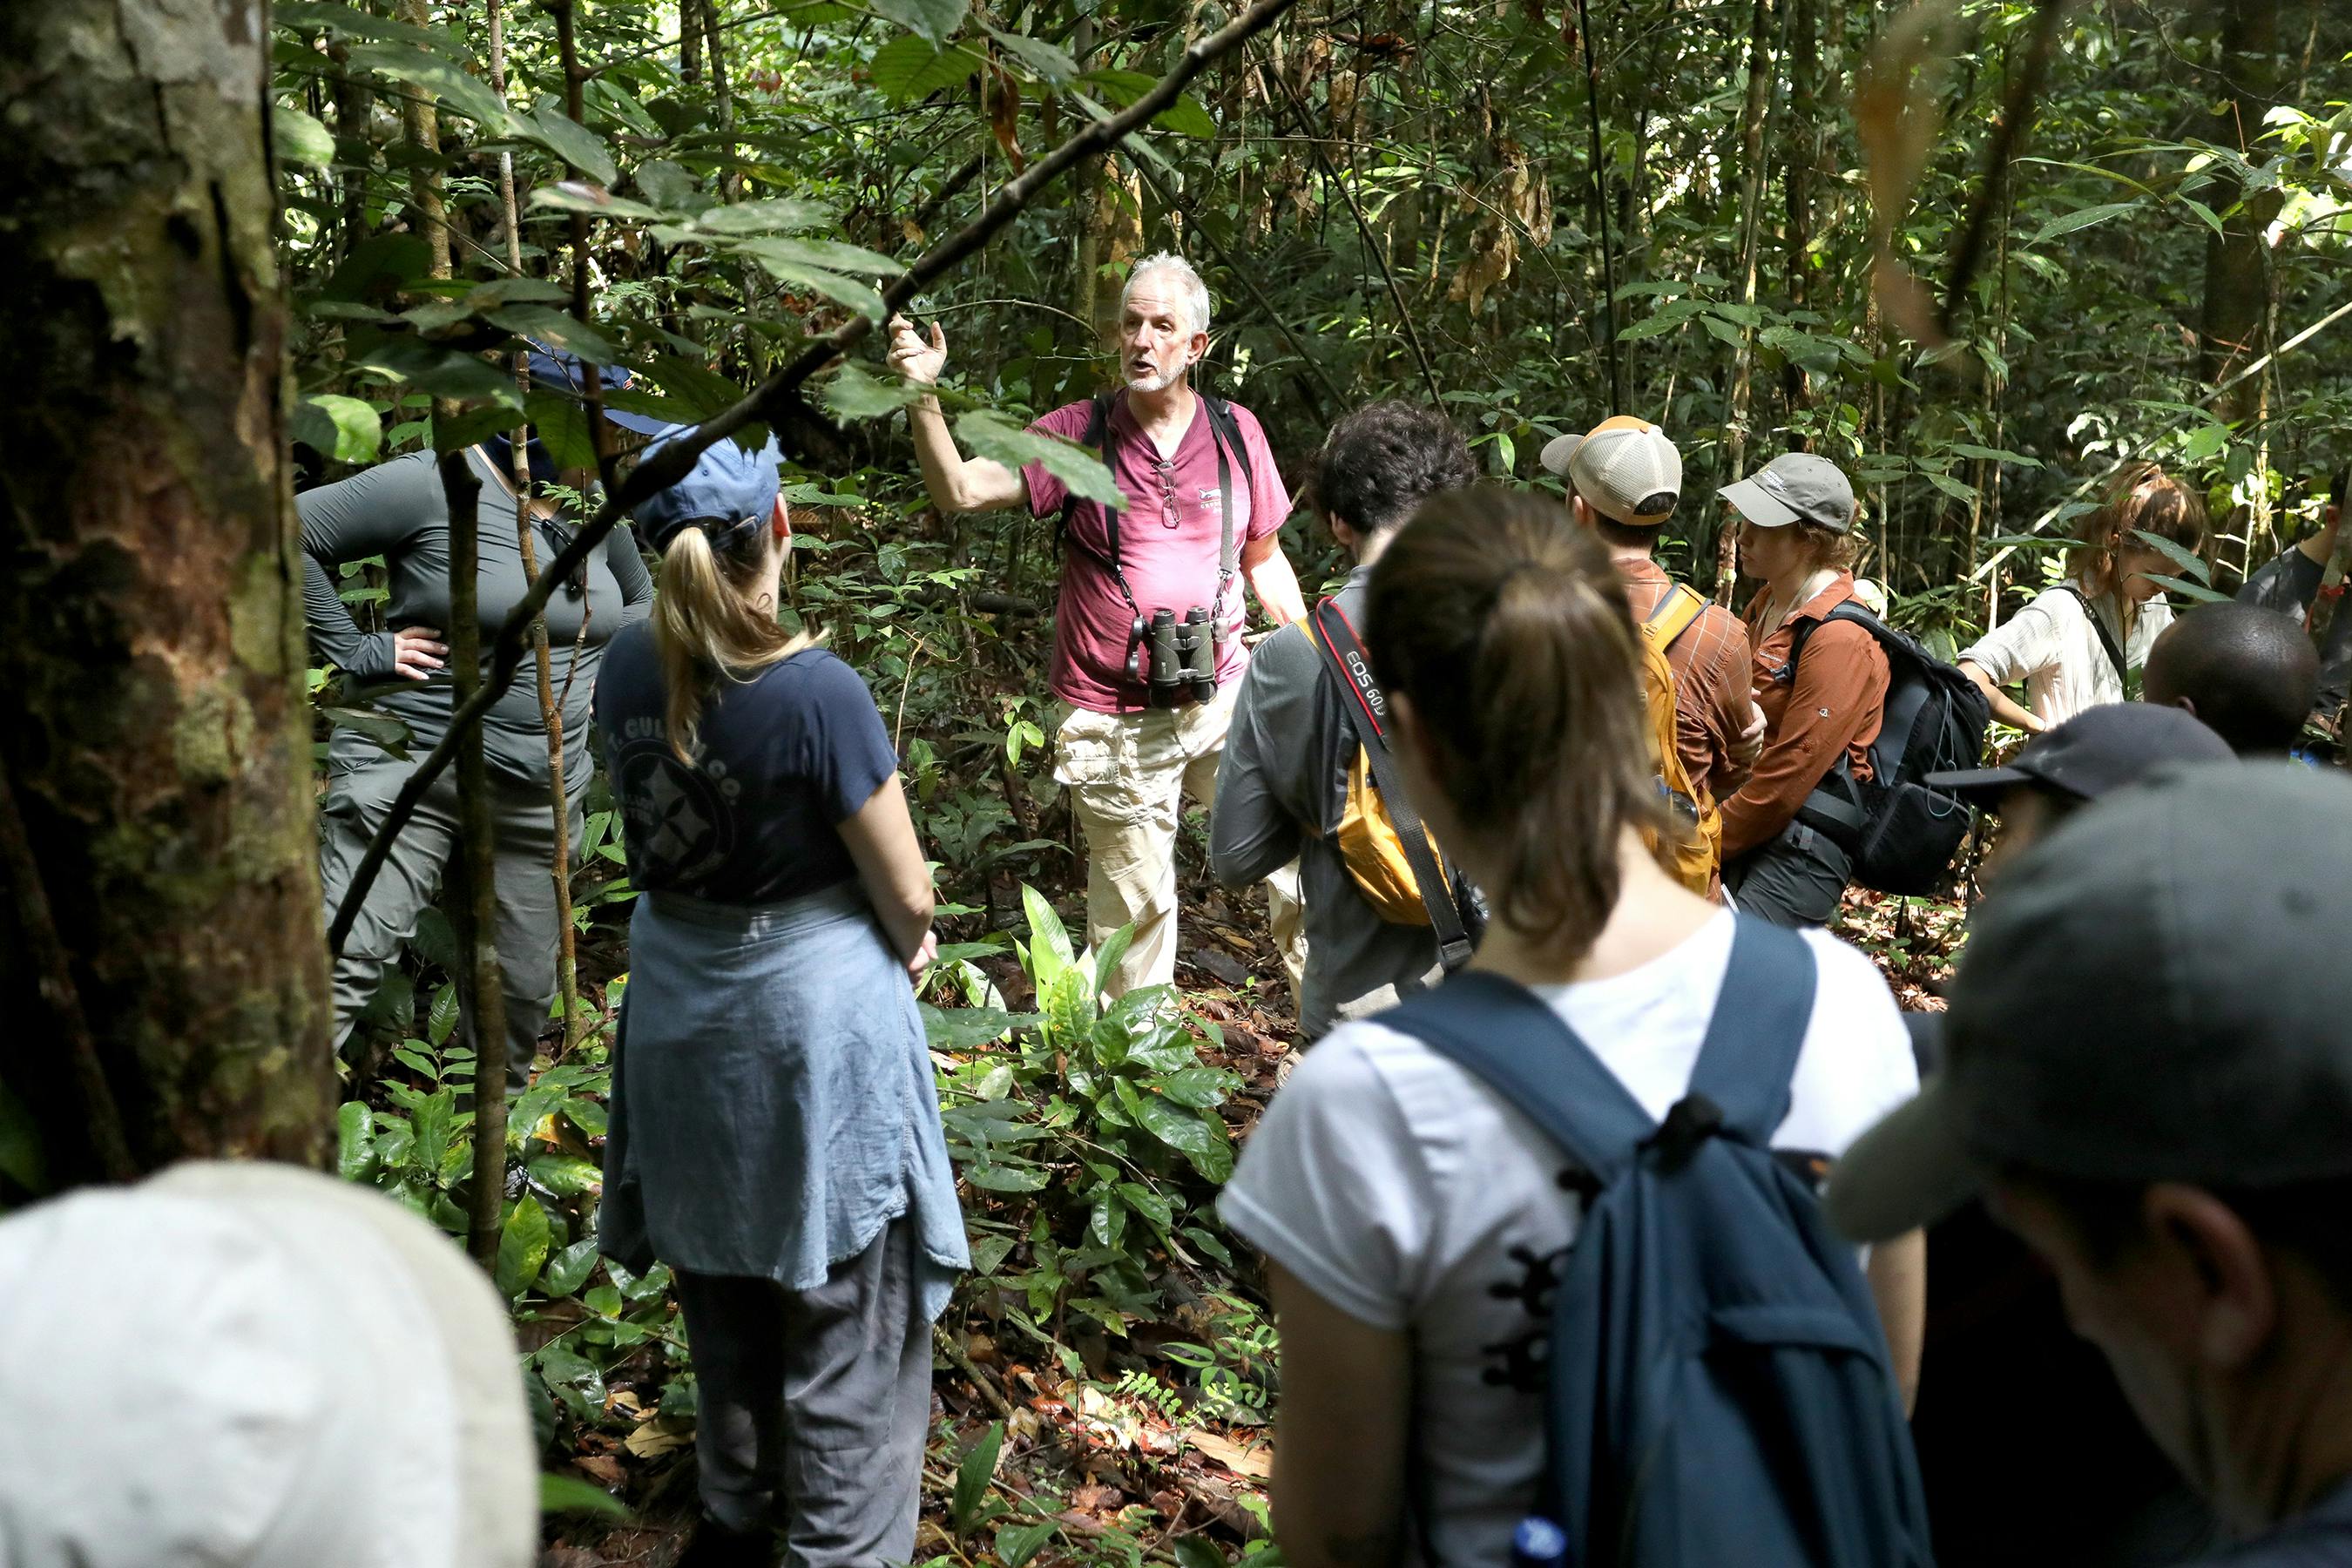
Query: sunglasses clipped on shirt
x,y
560,536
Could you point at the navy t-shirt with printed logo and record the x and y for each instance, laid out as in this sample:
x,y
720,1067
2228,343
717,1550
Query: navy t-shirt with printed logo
x,y
780,759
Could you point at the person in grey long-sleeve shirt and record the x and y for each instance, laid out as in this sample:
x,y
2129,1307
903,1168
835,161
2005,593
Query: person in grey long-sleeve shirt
x,y
2291,582
1284,780
398,511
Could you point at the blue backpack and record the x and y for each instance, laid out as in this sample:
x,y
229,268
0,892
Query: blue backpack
x,y
1719,1388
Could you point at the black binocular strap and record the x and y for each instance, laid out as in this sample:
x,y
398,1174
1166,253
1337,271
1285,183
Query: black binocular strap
x,y
1367,708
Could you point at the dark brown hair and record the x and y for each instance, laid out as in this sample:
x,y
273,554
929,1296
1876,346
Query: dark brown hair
x,y
1506,627
2145,499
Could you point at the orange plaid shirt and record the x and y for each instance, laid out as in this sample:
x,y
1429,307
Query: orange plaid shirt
x,y
1713,669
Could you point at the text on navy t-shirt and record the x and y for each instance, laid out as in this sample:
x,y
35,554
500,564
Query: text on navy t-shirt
x,y
780,759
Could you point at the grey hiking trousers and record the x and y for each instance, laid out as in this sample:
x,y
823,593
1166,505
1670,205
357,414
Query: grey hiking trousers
x,y
813,1405
359,798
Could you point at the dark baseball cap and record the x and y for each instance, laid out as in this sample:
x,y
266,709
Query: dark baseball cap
x,y
2098,751
1791,485
2156,993
726,485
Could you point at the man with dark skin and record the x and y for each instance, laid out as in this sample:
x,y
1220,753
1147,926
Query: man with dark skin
x,y
2251,673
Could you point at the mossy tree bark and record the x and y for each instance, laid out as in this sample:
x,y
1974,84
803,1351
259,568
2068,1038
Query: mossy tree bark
x,y
153,724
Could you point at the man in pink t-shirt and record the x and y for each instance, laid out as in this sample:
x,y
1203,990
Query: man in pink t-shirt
x,y
1126,755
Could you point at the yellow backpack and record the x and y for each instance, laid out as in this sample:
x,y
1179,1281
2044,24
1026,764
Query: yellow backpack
x,y
1696,853
1392,858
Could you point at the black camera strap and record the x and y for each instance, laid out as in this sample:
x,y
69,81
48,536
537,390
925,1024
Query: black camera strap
x,y
1367,708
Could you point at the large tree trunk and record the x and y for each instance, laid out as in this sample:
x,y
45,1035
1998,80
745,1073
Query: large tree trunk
x,y
153,729
2238,280
1751,225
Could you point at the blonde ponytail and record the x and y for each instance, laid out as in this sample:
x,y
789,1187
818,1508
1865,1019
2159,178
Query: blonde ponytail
x,y
708,626
1508,627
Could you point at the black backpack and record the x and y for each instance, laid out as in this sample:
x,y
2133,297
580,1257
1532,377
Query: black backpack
x,y
1902,834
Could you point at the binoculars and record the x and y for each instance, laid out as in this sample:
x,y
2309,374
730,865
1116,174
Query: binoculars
x,y
1176,660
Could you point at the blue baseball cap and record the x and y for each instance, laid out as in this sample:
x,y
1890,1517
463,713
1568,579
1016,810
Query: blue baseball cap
x,y
563,373
728,487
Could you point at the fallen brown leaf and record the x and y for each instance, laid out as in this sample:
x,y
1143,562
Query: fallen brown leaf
x,y
1255,1459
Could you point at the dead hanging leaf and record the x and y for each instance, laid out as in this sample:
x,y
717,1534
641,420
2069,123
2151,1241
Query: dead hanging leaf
x,y
1340,96
1004,114
1255,1460
1493,251
1897,114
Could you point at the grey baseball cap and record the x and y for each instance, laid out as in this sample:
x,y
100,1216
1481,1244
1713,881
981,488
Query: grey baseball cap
x,y
2156,991
1791,485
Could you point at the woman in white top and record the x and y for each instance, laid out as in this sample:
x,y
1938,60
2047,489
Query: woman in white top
x,y
2082,643
1413,1221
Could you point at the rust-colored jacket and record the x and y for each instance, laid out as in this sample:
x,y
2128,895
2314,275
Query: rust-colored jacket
x,y
1833,703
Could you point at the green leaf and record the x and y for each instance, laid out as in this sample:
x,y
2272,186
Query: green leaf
x,y
516,290
933,20
1209,1242
906,68
450,84
560,424
559,330
1047,62
775,214
1106,1221
1958,489
994,437
706,391
354,1141
1120,88
578,197
346,22
1148,1204
443,1019
666,183
569,1269
1185,117
972,1476
298,137
2180,556
1995,455
567,1176
522,1247
382,729
1198,1552
1006,1178
569,140
831,255
2205,443
1046,929
570,1494
1107,961
849,292
963,1029
1200,1089
854,395
2201,592
2082,218
443,372
469,426
344,428
987,1254
1017,1543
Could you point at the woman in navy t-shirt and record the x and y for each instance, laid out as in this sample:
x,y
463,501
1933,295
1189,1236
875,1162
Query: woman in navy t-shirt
x,y
776,1131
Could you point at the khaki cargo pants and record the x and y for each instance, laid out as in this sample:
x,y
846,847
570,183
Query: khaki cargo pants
x,y
1128,774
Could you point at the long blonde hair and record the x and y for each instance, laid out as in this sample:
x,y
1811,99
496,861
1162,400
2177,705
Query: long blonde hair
x,y
707,625
1508,626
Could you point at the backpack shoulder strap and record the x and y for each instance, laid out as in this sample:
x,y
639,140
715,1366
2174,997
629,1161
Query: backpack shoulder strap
x,y
1502,1034
1749,1055
2107,637
1226,433
1844,610
1676,613
1367,708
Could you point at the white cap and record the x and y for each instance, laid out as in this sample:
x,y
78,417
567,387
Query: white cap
x,y
260,1365
1623,468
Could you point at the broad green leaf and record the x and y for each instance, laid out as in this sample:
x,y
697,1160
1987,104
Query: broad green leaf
x,y
354,1141
833,286
578,197
442,1021
989,1252
2180,556
666,184
963,1029
1047,62
854,395
972,1476
906,68
1185,117
516,290
1210,1242
1148,1203
569,1269
455,89
570,1494
344,428
443,372
1046,929
933,20
523,1247
993,436
347,22
2205,443
1958,489
1198,1088
560,422
2082,218
1006,1178
1120,88
471,425
705,390
1198,1552
385,730
1107,1220
831,255
298,137
568,140
2203,592
775,214
1995,455
1107,961
567,1176
653,405
558,330
1017,1543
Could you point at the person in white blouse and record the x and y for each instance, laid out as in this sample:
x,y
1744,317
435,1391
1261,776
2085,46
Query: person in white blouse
x,y
2083,642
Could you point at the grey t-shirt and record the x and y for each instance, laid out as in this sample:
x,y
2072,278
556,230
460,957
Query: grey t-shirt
x,y
398,511
1280,792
